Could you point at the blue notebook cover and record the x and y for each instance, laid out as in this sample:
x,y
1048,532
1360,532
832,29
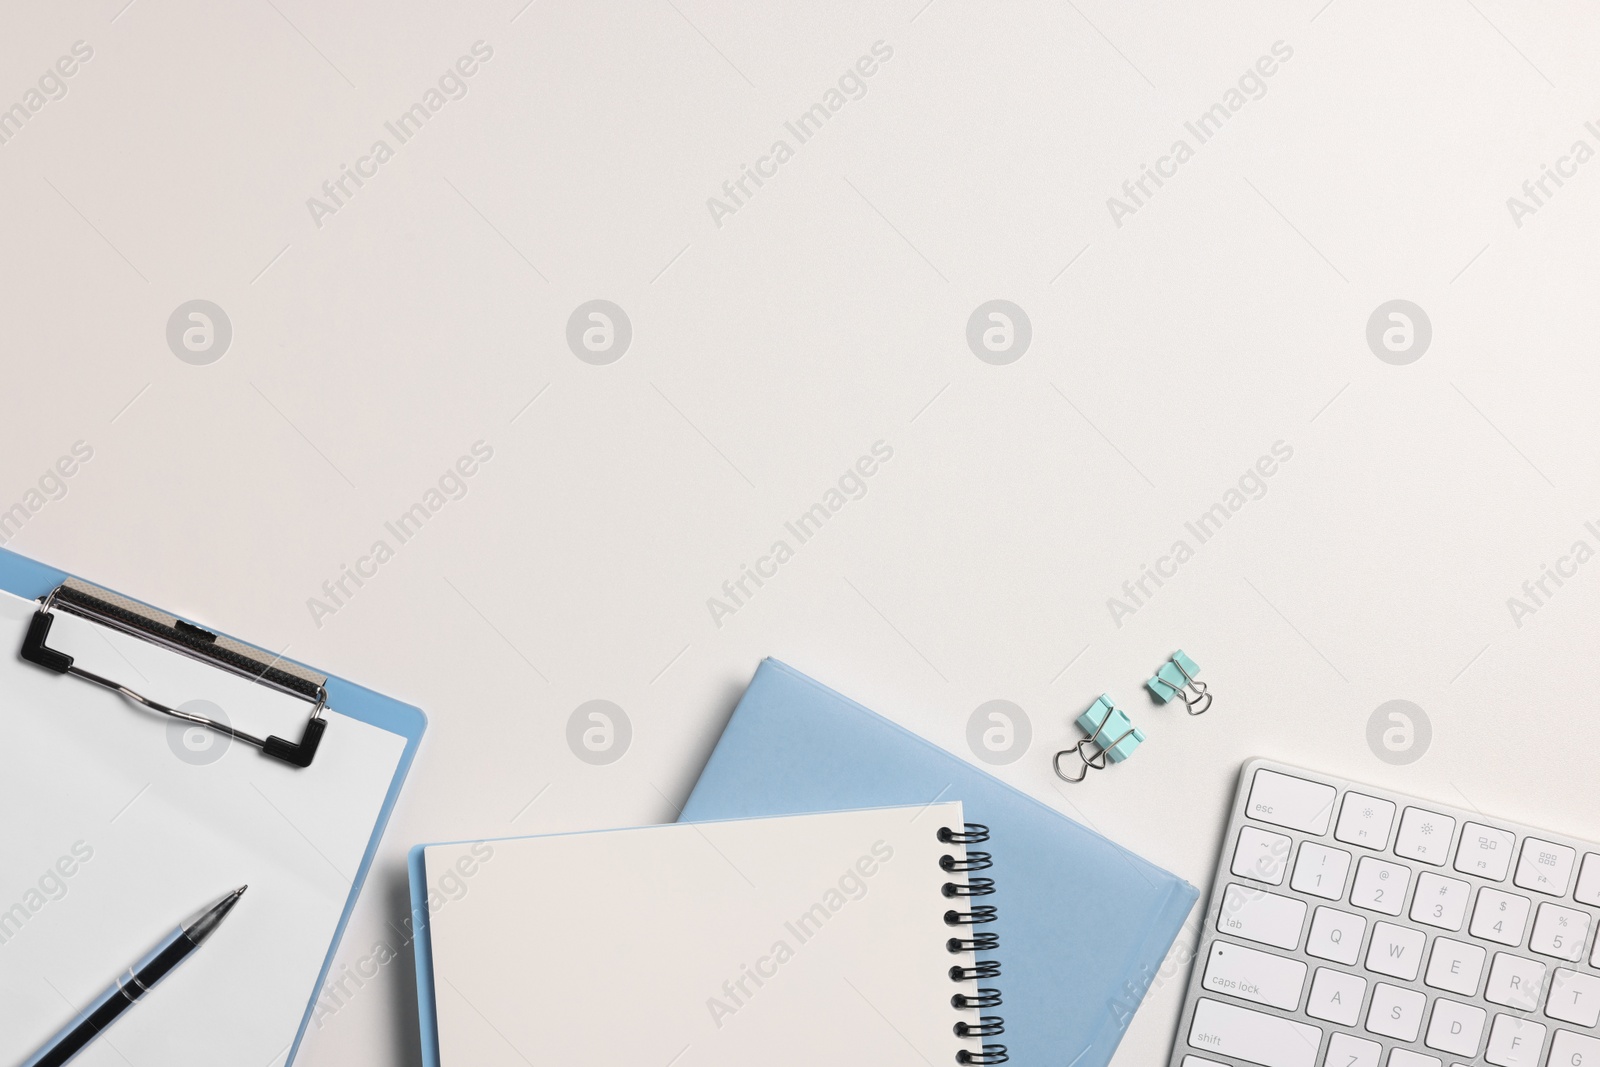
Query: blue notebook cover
x,y
1084,924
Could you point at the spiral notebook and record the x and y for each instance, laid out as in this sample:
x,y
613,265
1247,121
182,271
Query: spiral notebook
x,y
844,937
1084,924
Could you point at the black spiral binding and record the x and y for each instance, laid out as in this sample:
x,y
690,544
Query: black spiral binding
x,y
977,940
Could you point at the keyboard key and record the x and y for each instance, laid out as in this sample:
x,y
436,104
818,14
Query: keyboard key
x,y
1246,1034
1574,998
1404,1057
1251,975
1455,966
1380,885
1514,982
1347,1051
1396,1012
1425,836
1336,936
1500,917
1588,890
1455,1028
1263,917
1395,951
1433,941
1320,871
1440,901
1365,821
1574,1050
1261,855
1545,867
1284,800
1484,851
1336,997
1514,1042
1559,932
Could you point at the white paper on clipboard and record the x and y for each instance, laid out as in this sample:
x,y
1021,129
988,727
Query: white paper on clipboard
x,y
115,826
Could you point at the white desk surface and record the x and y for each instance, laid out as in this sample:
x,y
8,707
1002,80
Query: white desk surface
x,y
829,311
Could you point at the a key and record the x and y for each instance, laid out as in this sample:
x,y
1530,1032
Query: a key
x,y
1500,916
1545,867
1347,1051
1588,888
1574,998
1574,1050
1440,901
1559,932
1404,1057
1484,851
1395,1012
1257,915
1395,951
1320,871
1284,800
1336,935
1455,1028
1365,821
1260,855
1425,836
1455,966
1380,885
1336,996
1251,975
1514,982
1247,1034
1514,1042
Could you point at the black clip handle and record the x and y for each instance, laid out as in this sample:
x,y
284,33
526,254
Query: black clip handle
x,y
299,755
34,649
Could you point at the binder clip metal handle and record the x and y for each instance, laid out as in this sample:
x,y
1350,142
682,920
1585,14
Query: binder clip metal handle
x,y
1083,763
1176,678
102,606
1087,763
1093,753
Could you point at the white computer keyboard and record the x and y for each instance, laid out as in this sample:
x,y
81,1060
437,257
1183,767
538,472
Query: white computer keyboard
x,y
1351,926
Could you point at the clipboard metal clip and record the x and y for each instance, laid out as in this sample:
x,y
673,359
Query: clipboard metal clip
x,y
138,620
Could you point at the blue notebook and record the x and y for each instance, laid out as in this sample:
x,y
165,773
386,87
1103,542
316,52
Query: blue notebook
x,y
1084,924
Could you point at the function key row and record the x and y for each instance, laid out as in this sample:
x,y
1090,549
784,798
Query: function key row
x,y
1424,836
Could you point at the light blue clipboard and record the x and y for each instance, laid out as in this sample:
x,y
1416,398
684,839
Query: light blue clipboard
x,y
30,579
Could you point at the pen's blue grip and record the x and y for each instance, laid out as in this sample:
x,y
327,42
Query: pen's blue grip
x,y
109,1005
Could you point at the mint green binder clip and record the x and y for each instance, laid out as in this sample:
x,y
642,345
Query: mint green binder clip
x,y
1176,678
1112,738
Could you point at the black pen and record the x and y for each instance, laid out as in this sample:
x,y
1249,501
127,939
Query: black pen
x,y
133,984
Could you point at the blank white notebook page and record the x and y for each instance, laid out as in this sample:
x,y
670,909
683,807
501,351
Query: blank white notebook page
x,y
113,830
807,939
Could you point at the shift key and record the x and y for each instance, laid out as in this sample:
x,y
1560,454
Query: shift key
x,y
1262,917
1255,1036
